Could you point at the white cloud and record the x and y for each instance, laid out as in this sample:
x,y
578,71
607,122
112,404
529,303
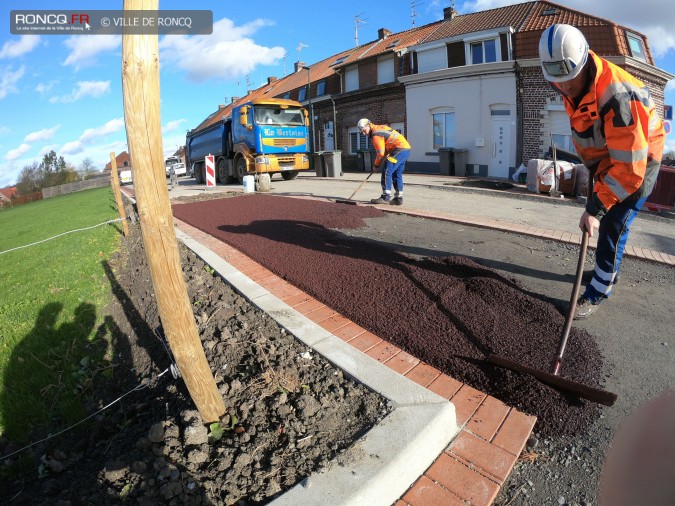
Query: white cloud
x,y
226,54
15,48
90,135
83,89
173,125
83,50
13,154
42,135
43,88
653,18
9,79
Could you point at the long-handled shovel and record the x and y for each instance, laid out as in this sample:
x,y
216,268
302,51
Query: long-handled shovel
x,y
349,200
553,378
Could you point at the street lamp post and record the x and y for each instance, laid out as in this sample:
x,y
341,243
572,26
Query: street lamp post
x,y
311,119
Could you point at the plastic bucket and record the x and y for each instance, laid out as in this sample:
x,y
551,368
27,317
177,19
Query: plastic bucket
x,y
249,184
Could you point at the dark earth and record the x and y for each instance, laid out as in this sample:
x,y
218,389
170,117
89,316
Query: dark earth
x,y
289,412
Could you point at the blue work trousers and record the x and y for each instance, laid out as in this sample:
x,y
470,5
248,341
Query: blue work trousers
x,y
612,237
392,175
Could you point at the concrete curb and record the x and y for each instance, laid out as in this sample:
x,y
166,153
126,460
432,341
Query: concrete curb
x,y
388,459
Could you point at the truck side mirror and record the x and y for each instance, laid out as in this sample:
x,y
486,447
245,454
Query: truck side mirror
x,y
243,116
304,111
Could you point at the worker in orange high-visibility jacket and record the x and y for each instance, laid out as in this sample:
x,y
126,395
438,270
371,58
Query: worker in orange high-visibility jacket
x,y
618,135
392,150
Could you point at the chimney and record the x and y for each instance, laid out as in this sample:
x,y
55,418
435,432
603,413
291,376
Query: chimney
x,y
383,33
449,13
234,99
271,79
299,65
221,106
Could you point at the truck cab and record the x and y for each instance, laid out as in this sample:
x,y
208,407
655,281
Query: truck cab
x,y
271,136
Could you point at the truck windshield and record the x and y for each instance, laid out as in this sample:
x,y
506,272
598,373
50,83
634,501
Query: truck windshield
x,y
170,161
277,116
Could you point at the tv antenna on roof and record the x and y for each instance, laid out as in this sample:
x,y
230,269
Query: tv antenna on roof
x,y
285,55
358,21
299,48
413,14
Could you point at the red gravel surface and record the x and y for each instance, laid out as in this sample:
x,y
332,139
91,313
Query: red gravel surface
x,y
449,312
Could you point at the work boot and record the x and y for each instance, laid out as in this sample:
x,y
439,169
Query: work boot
x,y
585,308
382,199
396,201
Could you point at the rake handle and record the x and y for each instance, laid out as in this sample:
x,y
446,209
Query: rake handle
x,y
557,361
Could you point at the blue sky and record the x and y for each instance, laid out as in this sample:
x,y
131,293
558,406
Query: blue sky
x,y
65,92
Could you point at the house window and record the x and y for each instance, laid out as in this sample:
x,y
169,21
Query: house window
x,y
302,93
287,96
126,163
321,88
484,51
352,78
358,141
443,125
637,48
385,70
561,133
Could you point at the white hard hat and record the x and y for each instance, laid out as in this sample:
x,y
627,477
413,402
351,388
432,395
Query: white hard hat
x,y
563,51
363,123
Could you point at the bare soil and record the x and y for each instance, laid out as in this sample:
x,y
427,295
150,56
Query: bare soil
x,y
289,412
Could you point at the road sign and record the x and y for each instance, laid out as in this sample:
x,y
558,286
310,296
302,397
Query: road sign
x,y
666,127
210,172
668,112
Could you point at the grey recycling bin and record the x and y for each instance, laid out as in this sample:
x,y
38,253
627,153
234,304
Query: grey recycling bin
x,y
446,156
333,163
365,160
319,166
459,162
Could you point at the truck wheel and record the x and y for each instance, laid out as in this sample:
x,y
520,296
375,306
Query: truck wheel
x,y
241,169
264,182
199,173
288,175
221,173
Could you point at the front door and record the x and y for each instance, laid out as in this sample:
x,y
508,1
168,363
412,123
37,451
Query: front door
x,y
501,146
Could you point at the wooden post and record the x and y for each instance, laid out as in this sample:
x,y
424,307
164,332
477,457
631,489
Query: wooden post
x,y
140,84
115,181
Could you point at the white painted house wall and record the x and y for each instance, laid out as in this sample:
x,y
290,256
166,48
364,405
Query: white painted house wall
x,y
471,97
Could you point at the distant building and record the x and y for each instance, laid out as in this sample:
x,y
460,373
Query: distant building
x,y
7,195
123,161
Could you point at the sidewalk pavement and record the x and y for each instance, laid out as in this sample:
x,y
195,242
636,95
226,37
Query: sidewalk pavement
x,y
516,210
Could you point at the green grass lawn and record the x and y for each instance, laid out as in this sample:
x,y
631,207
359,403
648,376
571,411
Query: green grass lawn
x,y
53,298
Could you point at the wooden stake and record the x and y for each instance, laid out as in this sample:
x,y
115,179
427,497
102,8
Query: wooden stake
x,y
140,84
115,182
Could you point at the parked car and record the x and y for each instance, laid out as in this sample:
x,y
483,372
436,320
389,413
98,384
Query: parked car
x,y
125,177
178,166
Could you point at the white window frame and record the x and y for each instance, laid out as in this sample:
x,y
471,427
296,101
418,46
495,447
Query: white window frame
x,y
362,141
482,38
642,54
444,111
385,70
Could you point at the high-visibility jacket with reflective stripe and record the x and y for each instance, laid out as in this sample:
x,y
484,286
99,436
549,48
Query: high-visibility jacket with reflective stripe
x,y
386,141
617,133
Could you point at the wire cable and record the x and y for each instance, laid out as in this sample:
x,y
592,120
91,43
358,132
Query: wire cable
x,y
59,235
137,388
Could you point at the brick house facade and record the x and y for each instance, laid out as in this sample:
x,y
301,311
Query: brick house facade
x,y
410,78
